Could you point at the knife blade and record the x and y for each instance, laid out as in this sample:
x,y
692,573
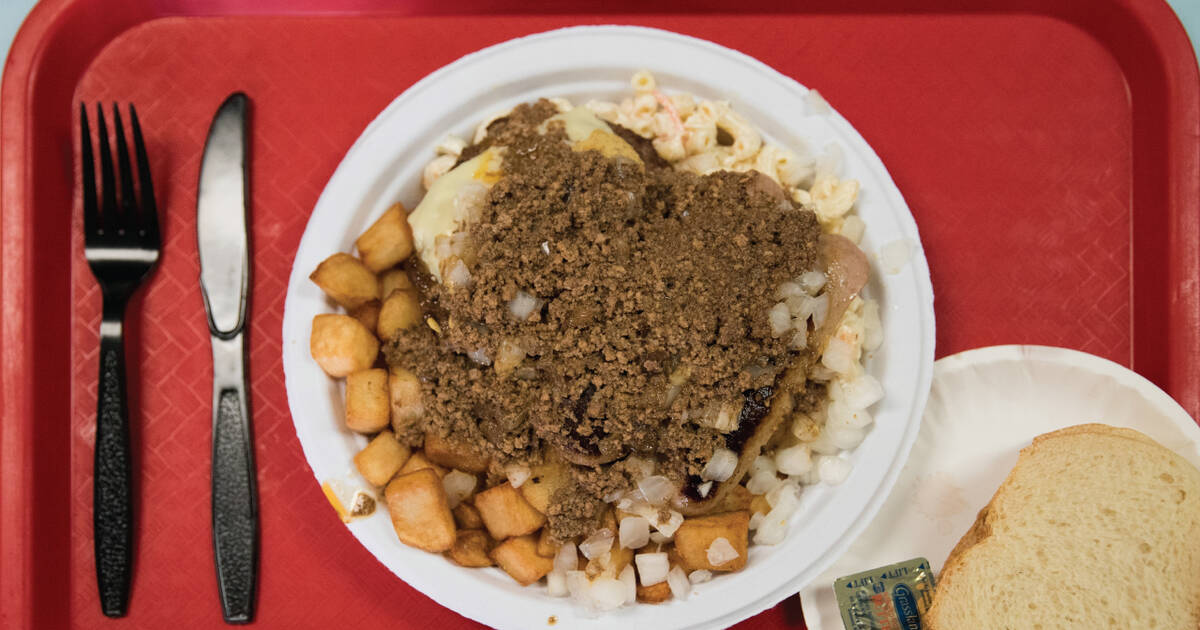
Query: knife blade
x,y
222,204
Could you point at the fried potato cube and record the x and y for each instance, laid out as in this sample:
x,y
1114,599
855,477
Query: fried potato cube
x,y
544,480
546,546
404,390
420,514
452,453
345,279
418,461
341,345
653,594
400,310
467,517
388,241
382,458
367,405
506,513
519,558
695,535
368,314
394,280
674,559
471,549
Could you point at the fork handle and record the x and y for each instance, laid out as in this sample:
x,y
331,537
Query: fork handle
x,y
234,493
112,499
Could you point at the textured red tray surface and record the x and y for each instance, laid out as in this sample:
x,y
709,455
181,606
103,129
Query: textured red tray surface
x,y
1043,155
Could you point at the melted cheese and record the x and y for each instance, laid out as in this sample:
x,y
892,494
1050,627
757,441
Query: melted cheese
x,y
445,208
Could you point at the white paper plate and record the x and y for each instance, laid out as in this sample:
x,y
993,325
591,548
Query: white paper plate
x,y
384,166
985,406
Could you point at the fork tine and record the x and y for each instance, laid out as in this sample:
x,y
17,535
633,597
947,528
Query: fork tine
x,y
108,208
124,170
91,211
149,208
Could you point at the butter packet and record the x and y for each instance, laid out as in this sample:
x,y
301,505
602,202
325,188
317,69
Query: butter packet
x,y
894,597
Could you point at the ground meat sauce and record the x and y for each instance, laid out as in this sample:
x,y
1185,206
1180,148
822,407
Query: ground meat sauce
x,y
644,273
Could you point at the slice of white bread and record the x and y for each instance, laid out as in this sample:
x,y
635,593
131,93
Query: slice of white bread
x,y
1095,527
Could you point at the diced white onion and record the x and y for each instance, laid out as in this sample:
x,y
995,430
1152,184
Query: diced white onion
x,y
457,275
820,373
704,489
809,478
459,485
771,531
780,319
756,520
725,420
578,585
832,469
628,578
721,466
634,532
480,356
862,392
652,568
668,527
853,228
517,475
820,309
657,489
721,551
659,538
838,356
607,593
794,460
761,463
762,482
523,305
678,581
845,437
566,559
601,541
805,428
789,289
556,583
699,576
784,499
824,444
812,281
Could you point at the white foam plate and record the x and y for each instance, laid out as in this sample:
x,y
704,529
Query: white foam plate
x,y
384,166
985,406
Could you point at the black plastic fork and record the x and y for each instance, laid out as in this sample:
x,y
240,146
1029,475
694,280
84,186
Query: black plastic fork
x,y
121,244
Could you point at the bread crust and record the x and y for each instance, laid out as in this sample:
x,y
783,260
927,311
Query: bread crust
x,y
982,528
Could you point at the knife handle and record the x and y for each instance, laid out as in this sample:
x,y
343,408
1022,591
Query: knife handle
x,y
234,493
112,497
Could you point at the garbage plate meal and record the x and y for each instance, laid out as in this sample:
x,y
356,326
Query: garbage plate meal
x,y
609,347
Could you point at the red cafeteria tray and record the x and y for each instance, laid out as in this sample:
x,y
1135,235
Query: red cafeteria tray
x,y
1047,149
